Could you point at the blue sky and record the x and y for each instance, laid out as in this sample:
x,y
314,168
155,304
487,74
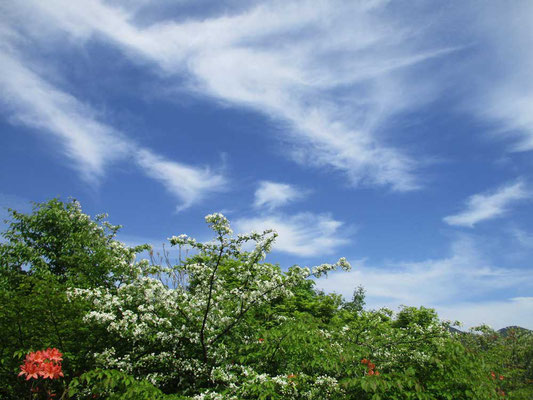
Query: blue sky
x,y
398,137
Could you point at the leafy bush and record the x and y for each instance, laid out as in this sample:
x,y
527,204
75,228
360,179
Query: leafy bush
x,y
44,254
223,324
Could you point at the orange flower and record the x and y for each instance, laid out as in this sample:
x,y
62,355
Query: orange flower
x,y
291,376
45,363
51,371
370,372
376,373
53,354
30,369
260,340
364,361
36,357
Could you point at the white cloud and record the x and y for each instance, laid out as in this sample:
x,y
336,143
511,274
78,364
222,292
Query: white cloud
x,y
89,144
481,207
272,195
188,183
497,314
333,72
286,59
463,286
504,92
32,101
524,238
303,234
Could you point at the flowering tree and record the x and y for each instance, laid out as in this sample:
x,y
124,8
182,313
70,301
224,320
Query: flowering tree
x,y
222,324
181,333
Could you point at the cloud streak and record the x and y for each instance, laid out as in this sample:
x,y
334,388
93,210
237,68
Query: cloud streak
x,y
272,195
504,92
460,286
334,74
190,184
288,60
482,207
303,234
89,144
31,101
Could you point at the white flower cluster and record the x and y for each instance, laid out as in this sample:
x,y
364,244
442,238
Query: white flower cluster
x,y
184,329
219,223
292,386
209,395
323,269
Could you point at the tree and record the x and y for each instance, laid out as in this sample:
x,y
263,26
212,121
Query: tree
x,y
45,253
222,324
191,330
58,239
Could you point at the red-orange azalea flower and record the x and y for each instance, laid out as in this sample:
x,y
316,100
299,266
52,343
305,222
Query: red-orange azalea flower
x,y
30,369
53,354
46,364
36,357
51,370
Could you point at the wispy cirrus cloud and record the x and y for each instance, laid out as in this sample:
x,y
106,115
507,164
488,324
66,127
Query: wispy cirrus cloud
x,y
303,234
32,101
523,237
89,144
190,184
333,73
504,91
485,206
272,195
289,60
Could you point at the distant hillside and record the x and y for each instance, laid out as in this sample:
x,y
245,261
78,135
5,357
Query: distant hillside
x,y
455,330
509,329
504,331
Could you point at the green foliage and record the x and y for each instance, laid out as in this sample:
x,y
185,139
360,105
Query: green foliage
x,y
43,255
510,356
59,240
223,324
114,385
